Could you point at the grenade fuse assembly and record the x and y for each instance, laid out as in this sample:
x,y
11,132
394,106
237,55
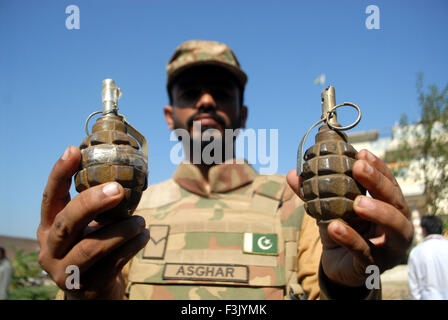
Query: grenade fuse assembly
x,y
327,183
111,153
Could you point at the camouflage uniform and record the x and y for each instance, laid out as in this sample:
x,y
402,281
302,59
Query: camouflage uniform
x,y
239,236
200,237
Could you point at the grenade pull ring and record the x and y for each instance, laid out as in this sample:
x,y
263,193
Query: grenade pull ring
x,y
328,117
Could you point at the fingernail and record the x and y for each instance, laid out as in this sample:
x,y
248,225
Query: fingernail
x,y
66,154
370,157
111,189
340,230
364,202
368,169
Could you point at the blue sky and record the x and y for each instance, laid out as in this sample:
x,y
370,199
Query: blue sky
x,y
50,77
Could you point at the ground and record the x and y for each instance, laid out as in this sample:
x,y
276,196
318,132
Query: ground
x,y
395,283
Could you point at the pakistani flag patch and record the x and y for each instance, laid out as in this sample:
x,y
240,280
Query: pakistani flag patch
x,y
260,243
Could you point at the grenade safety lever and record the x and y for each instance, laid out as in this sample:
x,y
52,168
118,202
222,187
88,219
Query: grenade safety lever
x,y
110,154
327,183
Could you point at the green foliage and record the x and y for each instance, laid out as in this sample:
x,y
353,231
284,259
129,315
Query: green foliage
x,y
28,279
25,267
425,144
445,226
42,292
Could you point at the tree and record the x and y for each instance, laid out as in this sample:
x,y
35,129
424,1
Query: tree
x,y
28,280
423,148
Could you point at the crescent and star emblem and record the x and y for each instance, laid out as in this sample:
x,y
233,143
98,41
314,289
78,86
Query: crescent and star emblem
x,y
264,243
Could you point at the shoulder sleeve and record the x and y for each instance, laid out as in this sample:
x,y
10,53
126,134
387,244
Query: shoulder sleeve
x,y
160,194
309,248
60,295
310,251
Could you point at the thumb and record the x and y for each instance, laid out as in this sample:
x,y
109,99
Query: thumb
x,y
295,182
57,191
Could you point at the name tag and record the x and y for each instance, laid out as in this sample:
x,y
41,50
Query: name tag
x,y
206,272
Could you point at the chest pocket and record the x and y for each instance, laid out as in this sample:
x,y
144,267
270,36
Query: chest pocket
x,y
224,253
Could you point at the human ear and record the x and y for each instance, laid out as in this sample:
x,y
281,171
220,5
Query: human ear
x,y
243,116
168,113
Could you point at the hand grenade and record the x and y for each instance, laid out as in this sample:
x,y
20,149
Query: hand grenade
x,y
110,154
327,183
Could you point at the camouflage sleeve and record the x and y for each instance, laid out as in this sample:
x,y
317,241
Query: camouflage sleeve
x,y
60,295
309,245
309,253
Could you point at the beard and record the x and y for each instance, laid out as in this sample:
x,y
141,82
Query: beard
x,y
208,139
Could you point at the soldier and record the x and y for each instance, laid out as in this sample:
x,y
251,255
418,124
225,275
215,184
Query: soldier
x,y
220,230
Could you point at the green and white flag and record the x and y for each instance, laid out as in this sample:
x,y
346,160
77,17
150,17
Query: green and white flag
x,y
260,243
320,79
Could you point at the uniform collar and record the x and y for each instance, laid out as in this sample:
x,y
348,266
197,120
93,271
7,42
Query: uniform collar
x,y
223,177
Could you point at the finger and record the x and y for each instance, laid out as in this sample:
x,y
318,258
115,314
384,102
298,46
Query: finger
x,y
395,225
327,241
103,242
93,226
123,254
377,163
111,265
379,186
294,182
57,191
379,241
347,237
70,223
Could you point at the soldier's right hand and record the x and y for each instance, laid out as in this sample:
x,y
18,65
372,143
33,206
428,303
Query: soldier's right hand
x,y
68,237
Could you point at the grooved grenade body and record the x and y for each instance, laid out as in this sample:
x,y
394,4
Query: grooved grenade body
x,y
110,154
327,183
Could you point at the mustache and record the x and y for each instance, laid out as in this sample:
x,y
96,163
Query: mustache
x,y
212,113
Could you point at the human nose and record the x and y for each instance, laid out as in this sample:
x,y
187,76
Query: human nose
x,y
206,101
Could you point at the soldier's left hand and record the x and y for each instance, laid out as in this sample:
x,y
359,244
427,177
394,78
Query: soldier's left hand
x,y
347,253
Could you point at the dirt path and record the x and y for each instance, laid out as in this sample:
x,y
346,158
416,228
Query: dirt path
x,y
395,283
